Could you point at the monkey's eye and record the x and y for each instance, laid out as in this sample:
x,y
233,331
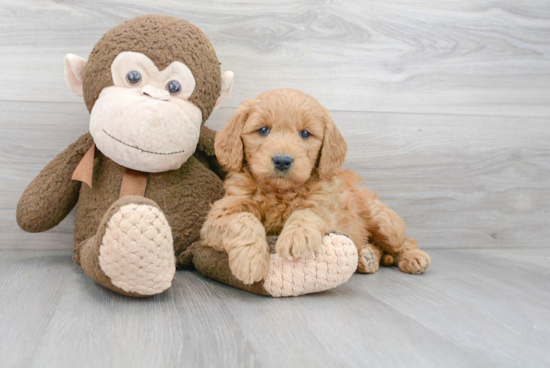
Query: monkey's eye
x,y
133,77
174,87
264,130
304,134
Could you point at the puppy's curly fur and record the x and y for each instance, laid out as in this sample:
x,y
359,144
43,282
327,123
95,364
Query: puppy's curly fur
x,y
302,203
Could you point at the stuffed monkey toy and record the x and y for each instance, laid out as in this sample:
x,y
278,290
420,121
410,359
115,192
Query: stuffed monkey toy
x,y
145,175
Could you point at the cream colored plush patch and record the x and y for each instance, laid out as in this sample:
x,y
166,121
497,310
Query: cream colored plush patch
x,y
150,75
227,86
137,251
142,126
332,265
141,132
75,67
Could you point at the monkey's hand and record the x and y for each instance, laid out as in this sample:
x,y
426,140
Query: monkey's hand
x,y
302,235
52,194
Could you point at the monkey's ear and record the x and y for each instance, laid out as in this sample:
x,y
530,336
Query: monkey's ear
x,y
227,86
333,151
228,144
75,67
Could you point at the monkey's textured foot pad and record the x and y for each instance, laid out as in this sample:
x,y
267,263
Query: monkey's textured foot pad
x,y
137,251
330,266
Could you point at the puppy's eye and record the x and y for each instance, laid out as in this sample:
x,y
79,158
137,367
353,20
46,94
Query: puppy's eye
x,y
133,77
264,130
304,134
174,87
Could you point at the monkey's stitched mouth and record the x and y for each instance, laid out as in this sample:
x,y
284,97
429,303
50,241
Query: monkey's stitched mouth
x,y
141,149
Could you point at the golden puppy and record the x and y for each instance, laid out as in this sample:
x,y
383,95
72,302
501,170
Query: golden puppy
x,y
284,155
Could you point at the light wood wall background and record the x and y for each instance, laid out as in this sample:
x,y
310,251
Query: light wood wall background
x,y
445,105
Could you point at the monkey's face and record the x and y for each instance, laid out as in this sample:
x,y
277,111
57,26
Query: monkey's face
x,y
143,118
145,121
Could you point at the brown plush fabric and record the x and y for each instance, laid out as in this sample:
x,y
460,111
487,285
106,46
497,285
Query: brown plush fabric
x,y
205,152
206,142
52,194
163,39
184,195
215,265
87,252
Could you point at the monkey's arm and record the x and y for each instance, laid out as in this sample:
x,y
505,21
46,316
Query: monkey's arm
x,y
52,194
205,152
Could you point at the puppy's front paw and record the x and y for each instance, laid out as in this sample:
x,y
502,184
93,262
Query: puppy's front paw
x,y
298,242
414,261
249,263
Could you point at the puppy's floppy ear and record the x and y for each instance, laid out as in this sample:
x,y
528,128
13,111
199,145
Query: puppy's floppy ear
x,y
228,144
333,151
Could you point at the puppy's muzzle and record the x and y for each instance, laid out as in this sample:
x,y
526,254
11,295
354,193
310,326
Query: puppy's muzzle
x,y
282,162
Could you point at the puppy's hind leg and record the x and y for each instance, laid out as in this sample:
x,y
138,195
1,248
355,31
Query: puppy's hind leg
x,y
388,231
369,258
410,259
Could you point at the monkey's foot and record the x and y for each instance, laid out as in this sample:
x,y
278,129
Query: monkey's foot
x,y
331,265
132,252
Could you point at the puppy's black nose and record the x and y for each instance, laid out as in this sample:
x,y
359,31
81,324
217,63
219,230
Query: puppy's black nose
x,y
282,163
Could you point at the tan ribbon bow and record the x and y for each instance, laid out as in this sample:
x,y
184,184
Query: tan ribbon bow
x,y
133,182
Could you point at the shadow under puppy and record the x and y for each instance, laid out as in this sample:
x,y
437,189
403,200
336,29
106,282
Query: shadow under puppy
x,y
284,155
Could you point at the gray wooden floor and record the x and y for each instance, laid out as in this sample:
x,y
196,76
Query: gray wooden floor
x,y
445,106
474,308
